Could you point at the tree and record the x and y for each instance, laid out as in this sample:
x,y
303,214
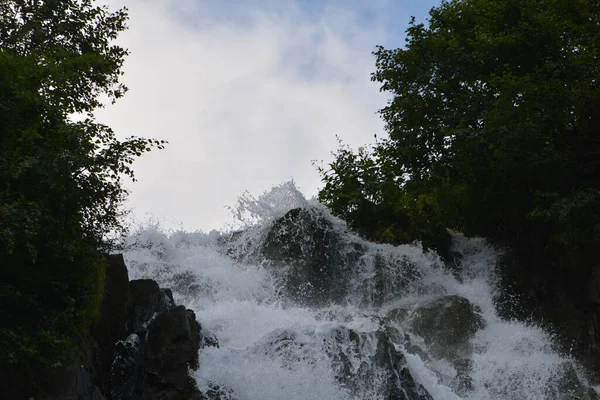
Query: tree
x,y
495,109
493,129
60,181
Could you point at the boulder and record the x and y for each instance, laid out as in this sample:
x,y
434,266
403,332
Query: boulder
x,y
306,243
147,344
446,325
127,375
317,265
147,301
156,365
171,349
188,284
358,359
113,323
400,384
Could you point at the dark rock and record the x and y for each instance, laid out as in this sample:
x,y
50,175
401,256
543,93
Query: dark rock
x,y
171,348
216,392
358,359
591,336
317,264
307,243
382,364
155,366
209,339
463,383
540,284
127,378
400,383
147,300
447,324
392,277
168,293
398,315
414,349
187,284
112,324
569,386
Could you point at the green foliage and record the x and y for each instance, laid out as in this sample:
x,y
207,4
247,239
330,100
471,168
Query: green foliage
x,y
493,129
60,181
359,189
493,125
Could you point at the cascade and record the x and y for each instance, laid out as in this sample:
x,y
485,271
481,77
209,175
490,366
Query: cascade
x,y
295,306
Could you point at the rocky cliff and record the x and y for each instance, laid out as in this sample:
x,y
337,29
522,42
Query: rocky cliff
x,y
141,347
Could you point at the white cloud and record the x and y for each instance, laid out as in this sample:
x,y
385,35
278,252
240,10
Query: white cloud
x,y
244,105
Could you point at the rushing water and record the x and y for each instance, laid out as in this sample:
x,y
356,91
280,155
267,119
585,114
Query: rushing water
x,y
239,299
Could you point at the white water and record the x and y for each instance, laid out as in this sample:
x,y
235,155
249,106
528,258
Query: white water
x,y
241,303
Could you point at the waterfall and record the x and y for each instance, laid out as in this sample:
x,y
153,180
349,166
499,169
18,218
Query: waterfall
x,y
302,308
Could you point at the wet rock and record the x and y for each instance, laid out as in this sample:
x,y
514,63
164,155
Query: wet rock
x,y
414,349
399,383
113,323
147,300
398,315
569,386
127,375
216,392
368,365
306,243
171,348
463,383
209,339
317,263
155,366
187,284
446,325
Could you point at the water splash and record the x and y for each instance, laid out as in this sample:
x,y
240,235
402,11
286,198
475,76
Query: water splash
x,y
273,347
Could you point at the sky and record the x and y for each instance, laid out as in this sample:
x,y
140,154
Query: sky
x,y
248,93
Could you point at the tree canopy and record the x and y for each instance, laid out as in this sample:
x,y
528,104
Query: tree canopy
x,y
493,121
61,190
493,129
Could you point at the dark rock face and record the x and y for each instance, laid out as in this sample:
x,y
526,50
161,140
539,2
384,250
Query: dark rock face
x,y
215,392
147,299
113,322
307,243
153,362
171,347
366,364
317,263
141,347
400,384
535,285
127,378
447,324
591,341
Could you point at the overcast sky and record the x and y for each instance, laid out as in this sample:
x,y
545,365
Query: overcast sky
x,y
247,93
